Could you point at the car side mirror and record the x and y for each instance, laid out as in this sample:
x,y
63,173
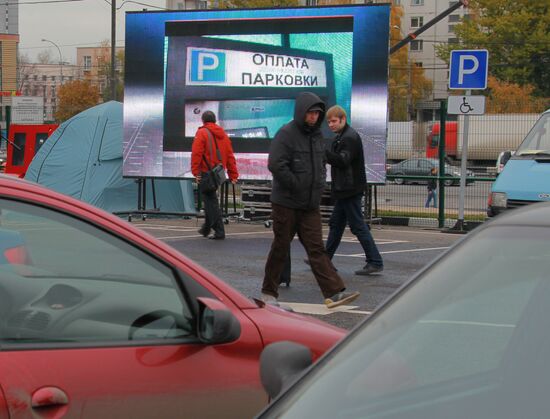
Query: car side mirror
x,y
216,323
505,157
280,365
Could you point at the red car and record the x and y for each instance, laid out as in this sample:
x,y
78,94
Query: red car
x,y
99,319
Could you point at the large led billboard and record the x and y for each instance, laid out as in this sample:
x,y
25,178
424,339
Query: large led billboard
x,y
248,66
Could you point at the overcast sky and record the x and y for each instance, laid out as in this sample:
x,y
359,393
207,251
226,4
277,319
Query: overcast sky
x,y
71,24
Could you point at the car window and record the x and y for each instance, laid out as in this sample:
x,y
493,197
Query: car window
x,y
425,165
64,280
466,335
410,164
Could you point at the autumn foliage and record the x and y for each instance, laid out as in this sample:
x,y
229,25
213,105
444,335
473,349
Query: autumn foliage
x,y
75,97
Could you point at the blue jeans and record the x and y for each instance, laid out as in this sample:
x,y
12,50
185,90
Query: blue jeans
x,y
432,194
348,211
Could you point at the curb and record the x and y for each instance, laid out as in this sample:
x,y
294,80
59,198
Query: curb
x,y
426,222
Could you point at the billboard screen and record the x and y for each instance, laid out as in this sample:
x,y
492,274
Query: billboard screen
x,y
247,66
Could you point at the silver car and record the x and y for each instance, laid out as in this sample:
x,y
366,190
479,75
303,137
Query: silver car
x,y
465,338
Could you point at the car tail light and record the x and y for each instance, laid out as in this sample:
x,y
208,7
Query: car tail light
x,y
17,256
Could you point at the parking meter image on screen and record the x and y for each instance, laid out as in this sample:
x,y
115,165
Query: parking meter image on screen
x,y
249,86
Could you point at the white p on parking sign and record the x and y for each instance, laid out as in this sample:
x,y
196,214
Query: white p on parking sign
x,y
468,69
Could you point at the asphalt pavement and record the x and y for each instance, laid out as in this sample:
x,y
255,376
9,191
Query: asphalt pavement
x,y
240,258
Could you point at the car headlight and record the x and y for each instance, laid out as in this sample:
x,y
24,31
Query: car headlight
x,y
499,199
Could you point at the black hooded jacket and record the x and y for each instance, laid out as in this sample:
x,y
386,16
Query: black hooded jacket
x,y
297,159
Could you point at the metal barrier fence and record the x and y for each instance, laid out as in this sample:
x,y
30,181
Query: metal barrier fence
x,y
489,135
409,199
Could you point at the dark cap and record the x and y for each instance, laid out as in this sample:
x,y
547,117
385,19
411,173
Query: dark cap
x,y
316,107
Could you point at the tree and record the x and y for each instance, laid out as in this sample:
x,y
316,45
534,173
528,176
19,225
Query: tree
x,y
44,57
407,83
25,69
75,97
516,34
104,72
504,97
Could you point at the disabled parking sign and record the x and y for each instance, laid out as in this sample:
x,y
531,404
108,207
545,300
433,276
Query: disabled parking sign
x,y
468,69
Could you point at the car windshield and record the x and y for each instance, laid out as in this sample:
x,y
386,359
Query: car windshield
x,y
537,142
462,341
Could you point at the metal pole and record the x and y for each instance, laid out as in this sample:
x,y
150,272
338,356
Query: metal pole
x,y
442,131
428,25
463,173
113,45
60,58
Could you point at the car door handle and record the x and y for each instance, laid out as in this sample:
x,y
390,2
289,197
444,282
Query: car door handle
x,y
49,397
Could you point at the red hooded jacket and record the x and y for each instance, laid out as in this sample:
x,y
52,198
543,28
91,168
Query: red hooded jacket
x,y
201,148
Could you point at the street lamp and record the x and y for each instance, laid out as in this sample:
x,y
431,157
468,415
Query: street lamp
x,y
60,57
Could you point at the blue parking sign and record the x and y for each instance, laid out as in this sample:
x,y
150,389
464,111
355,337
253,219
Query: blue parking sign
x,y
468,69
207,66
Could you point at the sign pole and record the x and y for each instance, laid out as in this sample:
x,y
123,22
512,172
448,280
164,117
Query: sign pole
x,y
463,171
468,70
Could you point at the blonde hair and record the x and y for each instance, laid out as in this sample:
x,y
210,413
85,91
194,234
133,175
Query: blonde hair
x,y
336,111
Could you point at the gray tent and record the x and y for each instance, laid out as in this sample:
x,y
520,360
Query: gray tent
x,y
83,159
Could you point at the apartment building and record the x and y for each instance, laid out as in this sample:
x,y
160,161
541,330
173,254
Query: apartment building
x,y
422,50
9,17
94,64
44,80
187,4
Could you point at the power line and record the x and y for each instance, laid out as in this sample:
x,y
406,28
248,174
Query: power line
x,y
141,4
40,2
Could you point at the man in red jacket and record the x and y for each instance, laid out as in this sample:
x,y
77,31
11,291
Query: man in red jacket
x,y
210,137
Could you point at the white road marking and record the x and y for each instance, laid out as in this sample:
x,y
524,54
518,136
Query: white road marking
x,y
321,309
199,235
360,255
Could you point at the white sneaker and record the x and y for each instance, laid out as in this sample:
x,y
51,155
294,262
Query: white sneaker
x,y
269,299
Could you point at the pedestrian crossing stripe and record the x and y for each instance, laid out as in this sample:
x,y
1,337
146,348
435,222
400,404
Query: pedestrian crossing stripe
x,y
321,309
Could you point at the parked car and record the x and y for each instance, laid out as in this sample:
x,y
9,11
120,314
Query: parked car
x,y
465,338
422,167
99,319
524,179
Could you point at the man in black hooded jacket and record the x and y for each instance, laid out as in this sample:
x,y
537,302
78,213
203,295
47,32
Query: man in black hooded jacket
x,y
297,163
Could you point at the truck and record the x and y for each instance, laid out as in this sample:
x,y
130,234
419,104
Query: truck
x,y
488,135
23,143
524,179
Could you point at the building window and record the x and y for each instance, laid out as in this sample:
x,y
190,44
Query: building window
x,y
417,45
312,2
87,62
453,40
419,64
417,2
202,4
417,21
397,2
44,78
454,18
53,78
452,28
